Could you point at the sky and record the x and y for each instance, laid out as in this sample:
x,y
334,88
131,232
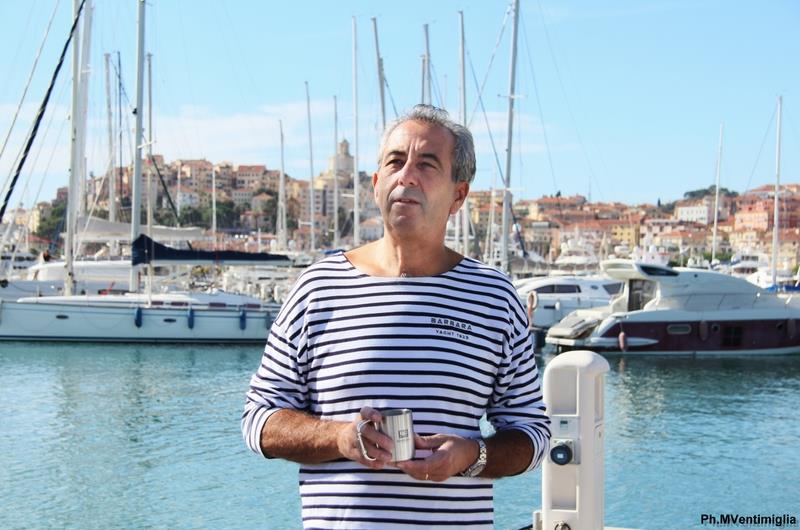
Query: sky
x,y
617,100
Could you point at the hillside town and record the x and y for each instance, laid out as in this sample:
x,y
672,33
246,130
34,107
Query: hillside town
x,y
246,198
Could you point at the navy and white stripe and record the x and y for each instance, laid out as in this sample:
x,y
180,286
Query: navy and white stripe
x,y
450,347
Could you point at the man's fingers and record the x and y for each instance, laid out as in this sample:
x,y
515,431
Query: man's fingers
x,y
427,469
429,442
368,413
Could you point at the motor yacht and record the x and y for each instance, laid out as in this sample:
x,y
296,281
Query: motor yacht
x,y
681,311
557,296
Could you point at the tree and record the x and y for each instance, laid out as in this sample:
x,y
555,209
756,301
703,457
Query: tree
x,y
52,224
711,190
191,216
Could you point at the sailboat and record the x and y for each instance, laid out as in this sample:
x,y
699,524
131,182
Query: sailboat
x,y
138,317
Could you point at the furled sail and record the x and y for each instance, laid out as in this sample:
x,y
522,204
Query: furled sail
x,y
145,250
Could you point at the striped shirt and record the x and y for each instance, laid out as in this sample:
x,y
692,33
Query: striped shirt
x,y
450,347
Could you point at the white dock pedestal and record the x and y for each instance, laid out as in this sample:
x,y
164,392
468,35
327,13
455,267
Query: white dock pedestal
x,y
572,472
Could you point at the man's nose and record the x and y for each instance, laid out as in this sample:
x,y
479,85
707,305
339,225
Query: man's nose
x,y
408,175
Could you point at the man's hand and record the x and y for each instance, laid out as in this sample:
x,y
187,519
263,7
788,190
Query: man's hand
x,y
378,446
451,455
300,437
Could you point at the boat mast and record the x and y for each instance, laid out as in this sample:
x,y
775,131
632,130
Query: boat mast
x,y
463,112
136,190
214,205
775,217
336,173
281,229
83,90
112,177
507,175
311,166
716,199
72,197
178,193
380,74
150,145
356,183
150,266
427,73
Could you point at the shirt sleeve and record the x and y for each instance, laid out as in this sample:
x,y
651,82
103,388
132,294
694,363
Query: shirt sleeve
x,y
278,384
516,402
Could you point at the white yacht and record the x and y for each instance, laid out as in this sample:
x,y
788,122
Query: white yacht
x,y
163,317
577,258
557,296
683,311
743,264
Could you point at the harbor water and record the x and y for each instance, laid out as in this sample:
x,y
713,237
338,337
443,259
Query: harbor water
x,y
115,436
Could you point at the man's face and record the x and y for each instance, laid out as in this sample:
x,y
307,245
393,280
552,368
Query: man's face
x,y
414,186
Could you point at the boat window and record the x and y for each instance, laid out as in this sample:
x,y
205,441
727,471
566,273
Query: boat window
x,y
679,329
613,288
545,289
732,336
566,288
651,270
639,293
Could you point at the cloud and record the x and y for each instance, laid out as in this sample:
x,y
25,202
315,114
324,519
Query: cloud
x,y
254,138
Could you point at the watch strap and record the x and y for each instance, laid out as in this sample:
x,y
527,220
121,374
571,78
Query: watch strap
x,y
477,467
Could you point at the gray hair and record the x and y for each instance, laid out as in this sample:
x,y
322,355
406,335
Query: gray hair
x,y
464,149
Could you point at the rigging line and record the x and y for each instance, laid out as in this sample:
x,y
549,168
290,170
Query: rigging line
x,y
20,43
49,162
517,225
40,113
436,88
236,70
491,61
760,149
27,86
39,151
792,127
119,133
539,106
126,116
190,83
566,100
391,98
486,120
167,194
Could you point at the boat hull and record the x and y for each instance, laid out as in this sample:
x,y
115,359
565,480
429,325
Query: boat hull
x,y
776,336
23,321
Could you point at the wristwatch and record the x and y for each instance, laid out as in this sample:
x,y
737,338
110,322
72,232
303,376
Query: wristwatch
x,y
477,467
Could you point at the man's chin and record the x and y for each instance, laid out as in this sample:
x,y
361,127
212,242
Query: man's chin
x,y
406,224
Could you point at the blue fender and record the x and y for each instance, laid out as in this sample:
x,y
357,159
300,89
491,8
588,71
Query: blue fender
x,y
137,317
190,318
242,319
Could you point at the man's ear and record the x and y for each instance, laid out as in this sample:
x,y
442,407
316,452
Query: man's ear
x,y
374,189
462,190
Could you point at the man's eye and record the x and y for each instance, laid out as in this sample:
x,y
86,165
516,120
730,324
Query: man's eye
x,y
394,162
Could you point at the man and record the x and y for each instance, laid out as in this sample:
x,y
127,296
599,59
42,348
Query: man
x,y
403,322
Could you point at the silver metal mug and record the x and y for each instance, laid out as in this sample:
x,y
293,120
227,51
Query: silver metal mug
x,y
398,425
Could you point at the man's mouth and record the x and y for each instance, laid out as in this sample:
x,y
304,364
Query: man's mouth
x,y
406,201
